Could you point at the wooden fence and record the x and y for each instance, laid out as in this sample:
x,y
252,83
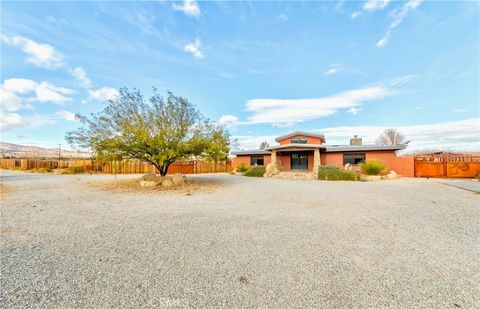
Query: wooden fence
x,y
119,167
447,166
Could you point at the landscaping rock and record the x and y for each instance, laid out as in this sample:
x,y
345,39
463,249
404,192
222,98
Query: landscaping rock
x,y
148,183
391,175
167,183
150,177
370,177
271,170
178,179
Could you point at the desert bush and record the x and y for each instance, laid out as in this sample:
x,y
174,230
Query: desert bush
x,y
73,170
334,173
242,168
372,167
255,171
42,170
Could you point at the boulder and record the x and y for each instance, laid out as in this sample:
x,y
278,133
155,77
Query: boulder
x,y
147,183
178,179
150,177
370,177
391,175
167,183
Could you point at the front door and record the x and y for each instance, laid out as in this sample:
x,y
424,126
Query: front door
x,y
299,161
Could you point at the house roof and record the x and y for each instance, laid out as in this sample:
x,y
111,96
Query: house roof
x,y
250,152
339,148
310,146
299,133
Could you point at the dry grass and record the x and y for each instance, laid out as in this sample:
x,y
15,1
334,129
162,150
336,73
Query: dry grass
x,y
190,186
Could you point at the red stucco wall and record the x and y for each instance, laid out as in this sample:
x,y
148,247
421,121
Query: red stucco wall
x,y
402,165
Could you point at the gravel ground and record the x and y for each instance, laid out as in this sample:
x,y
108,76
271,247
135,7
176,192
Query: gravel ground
x,y
250,243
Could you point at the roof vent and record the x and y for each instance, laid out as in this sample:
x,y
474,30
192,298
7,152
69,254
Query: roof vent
x,y
356,140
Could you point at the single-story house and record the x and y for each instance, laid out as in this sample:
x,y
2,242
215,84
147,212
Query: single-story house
x,y
303,151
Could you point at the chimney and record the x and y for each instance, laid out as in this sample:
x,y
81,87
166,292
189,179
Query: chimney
x,y
356,140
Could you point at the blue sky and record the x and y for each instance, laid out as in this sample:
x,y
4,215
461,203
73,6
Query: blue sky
x,y
260,68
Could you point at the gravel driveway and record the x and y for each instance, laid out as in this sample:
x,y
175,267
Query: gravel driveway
x,y
252,243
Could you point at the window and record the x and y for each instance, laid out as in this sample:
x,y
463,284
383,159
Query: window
x,y
353,158
256,160
298,140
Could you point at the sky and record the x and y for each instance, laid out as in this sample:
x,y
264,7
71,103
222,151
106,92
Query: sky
x,y
261,69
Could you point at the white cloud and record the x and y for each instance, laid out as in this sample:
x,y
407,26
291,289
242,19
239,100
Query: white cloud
x,y
104,94
41,55
282,17
246,142
400,80
66,115
331,71
188,7
355,15
81,76
194,49
16,91
289,111
453,135
354,110
9,120
373,5
229,121
398,15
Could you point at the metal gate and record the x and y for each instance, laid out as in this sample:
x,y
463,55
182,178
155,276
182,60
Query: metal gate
x,y
447,166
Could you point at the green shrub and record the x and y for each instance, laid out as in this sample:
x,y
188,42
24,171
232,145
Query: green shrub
x,y
334,173
72,170
255,171
242,168
372,167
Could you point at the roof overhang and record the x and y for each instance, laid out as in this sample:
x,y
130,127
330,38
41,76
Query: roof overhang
x,y
342,148
250,152
293,147
296,133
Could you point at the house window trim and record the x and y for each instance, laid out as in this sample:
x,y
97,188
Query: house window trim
x,y
359,160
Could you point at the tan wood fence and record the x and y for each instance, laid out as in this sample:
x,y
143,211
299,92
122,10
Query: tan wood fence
x,y
447,166
119,167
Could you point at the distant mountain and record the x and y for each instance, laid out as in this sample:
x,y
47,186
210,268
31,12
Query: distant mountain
x,y
9,150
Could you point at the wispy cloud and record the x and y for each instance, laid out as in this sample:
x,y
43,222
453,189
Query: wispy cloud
x,y
194,48
81,76
228,121
370,6
332,70
451,135
373,5
188,7
41,55
460,110
282,17
398,16
104,94
283,112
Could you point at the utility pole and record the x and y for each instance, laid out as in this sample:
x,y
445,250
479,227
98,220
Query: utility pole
x,y
59,151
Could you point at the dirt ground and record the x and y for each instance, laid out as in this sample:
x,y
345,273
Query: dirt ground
x,y
237,242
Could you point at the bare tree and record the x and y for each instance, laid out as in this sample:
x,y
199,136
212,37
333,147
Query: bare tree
x,y
391,137
263,145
